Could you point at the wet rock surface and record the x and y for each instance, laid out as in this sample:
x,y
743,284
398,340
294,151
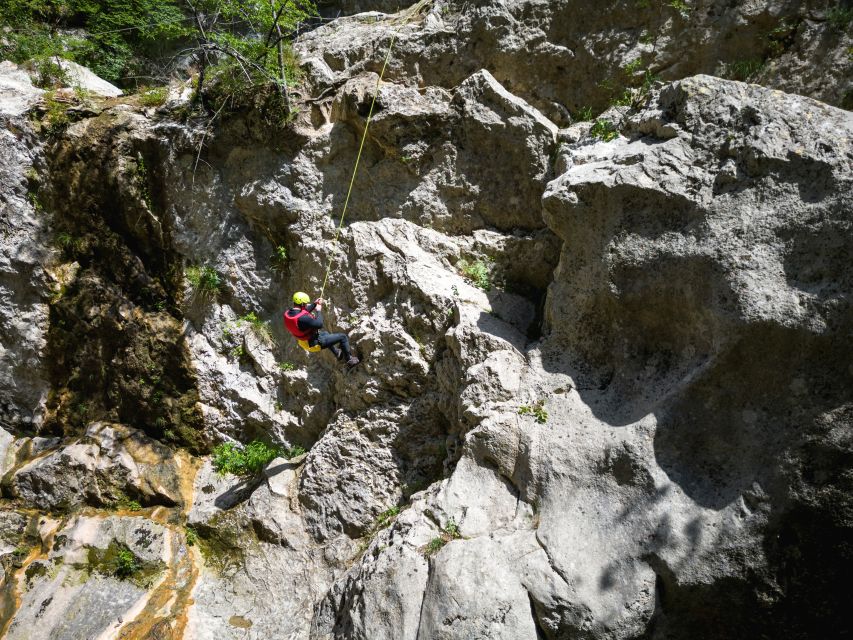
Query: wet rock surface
x,y
605,388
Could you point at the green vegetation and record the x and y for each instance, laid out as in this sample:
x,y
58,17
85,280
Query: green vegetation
x,y
278,263
583,114
154,97
286,366
449,532
205,281
56,114
261,328
743,70
604,130
682,7
537,410
840,17
382,521
479,272
251,459
232,41
126,564
191,536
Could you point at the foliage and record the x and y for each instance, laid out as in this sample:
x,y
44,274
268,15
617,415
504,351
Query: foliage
x,y
604,130
286,366
583,114
839,17
449,532
251,459
479,272
120,36
56,113
154,97
191,536
743,70
126,563
278,262
537,410
205,280
682,7
383,520
122,41
261,328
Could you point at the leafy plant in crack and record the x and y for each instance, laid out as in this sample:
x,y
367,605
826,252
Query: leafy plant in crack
x,y
604,130
537,410
478,272
204,280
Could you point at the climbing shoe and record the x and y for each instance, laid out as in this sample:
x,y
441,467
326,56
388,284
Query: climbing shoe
x,y
353,361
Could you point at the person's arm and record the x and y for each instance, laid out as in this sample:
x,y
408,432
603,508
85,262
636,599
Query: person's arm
x,y
307,322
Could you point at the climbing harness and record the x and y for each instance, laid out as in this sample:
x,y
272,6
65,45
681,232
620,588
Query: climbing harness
x,y
415,10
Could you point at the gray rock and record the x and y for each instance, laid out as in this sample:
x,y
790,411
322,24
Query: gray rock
x,y
109,465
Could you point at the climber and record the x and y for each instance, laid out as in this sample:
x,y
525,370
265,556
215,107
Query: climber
x,y
305,322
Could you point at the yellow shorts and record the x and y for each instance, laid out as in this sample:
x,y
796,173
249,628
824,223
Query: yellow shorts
x,y
304,345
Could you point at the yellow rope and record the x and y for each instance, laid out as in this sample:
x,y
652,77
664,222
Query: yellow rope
x,y
414,11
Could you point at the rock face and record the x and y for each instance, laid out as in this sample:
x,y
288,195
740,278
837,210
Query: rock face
x,y
24,281
606,381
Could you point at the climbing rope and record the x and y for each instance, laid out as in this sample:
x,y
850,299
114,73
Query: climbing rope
x,y
415,10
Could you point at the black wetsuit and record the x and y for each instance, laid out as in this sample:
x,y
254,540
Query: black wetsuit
x,y
325,339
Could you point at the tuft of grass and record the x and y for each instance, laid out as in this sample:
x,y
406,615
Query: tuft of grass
x,y
286,366
743,70
261,328
382,521
537,410
583,114
154,97
604,130
449,532
204,280
479,272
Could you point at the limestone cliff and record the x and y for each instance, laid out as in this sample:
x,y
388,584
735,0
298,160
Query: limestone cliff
x,y
606,379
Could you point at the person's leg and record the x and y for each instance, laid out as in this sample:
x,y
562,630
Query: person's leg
x,y
328,340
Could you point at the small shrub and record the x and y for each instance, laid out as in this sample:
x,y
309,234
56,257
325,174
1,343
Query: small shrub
x,y
479,272
205,281
49,73
278,262
249,460
191,536
286,366
537,410
452,529
604,130
126,564
154,97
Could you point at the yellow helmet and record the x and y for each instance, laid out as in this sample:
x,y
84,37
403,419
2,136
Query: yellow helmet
x,y
300,297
